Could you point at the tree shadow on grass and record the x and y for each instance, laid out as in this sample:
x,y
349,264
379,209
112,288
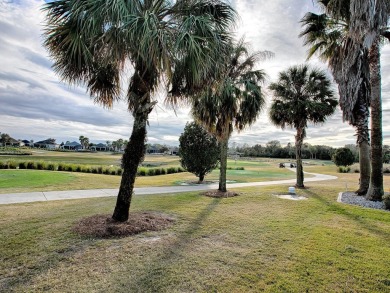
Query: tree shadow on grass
x,y
153,278
351,214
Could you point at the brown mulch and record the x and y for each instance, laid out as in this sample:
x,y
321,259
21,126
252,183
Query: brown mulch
x,y
103,226
219,194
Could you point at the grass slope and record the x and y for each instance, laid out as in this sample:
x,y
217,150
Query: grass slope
x,y
250,243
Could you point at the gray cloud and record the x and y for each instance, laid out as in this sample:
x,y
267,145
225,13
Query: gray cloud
x,y
35,104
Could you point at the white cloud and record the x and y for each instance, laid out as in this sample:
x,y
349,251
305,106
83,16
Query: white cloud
x,y
35,104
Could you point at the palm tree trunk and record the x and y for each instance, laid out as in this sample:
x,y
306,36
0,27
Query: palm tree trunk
x,y
364,166
298,145
132,157
135,150
223,167
361,119
375,190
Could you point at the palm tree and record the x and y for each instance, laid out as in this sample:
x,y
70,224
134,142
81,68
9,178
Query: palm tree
x,y
235,102
358,28
326,35
176,44
301,95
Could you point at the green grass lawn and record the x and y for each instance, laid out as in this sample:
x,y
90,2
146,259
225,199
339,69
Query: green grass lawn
x,y
12,181
250,243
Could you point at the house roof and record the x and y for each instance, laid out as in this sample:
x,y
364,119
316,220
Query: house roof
x,y
73,143
46,141
100,145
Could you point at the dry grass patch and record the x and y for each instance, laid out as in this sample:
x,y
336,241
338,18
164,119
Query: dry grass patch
x,y
220,194
103,226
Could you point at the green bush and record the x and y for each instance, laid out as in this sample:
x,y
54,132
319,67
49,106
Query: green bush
x,y
113,172
119,171
171,170
386,170
41,165
141,172
100,170
344,169
157,171
78,168
51,167
163,171
61,167
22,165
2,165
68,168
151,172
180,170
94,170
31,165
12,165
386,201
356,171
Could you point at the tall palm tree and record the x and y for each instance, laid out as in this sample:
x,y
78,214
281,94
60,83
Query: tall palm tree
x,y
326,35
176,44
366,23
301,95
235,102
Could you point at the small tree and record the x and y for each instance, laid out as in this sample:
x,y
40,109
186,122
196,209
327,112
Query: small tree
x,y
343,157
199,151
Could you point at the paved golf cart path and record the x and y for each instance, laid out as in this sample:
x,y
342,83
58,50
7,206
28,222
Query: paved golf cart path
x,y
75,194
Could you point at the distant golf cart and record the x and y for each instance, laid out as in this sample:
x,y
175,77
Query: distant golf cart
x,y
287,165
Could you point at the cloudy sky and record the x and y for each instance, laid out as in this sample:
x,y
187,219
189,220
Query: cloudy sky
x,y
35,104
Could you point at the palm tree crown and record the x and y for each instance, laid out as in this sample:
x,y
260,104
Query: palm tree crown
x,y
301,95
237,98
173,43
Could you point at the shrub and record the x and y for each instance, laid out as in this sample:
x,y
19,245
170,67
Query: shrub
x,y
356,171
163,171
113,172
386,170
386,201
141,172
22,165
86,169
94,170
119,171
151,172
61,167
12,165
41,166
100,170
78,168
30,165
2,165
157,171
171,170
69,168
106,171
180,169
344,169
51,167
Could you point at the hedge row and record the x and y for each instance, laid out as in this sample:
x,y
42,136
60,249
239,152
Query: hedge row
x,y
85,168
12,151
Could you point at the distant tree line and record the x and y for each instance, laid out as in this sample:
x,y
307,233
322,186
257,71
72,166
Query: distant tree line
x,y
273,149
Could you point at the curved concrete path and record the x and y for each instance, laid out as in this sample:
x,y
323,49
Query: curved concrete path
x,y
75,194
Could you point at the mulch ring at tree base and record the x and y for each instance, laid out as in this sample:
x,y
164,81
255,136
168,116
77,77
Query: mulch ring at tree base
x,y
103,226
219,194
